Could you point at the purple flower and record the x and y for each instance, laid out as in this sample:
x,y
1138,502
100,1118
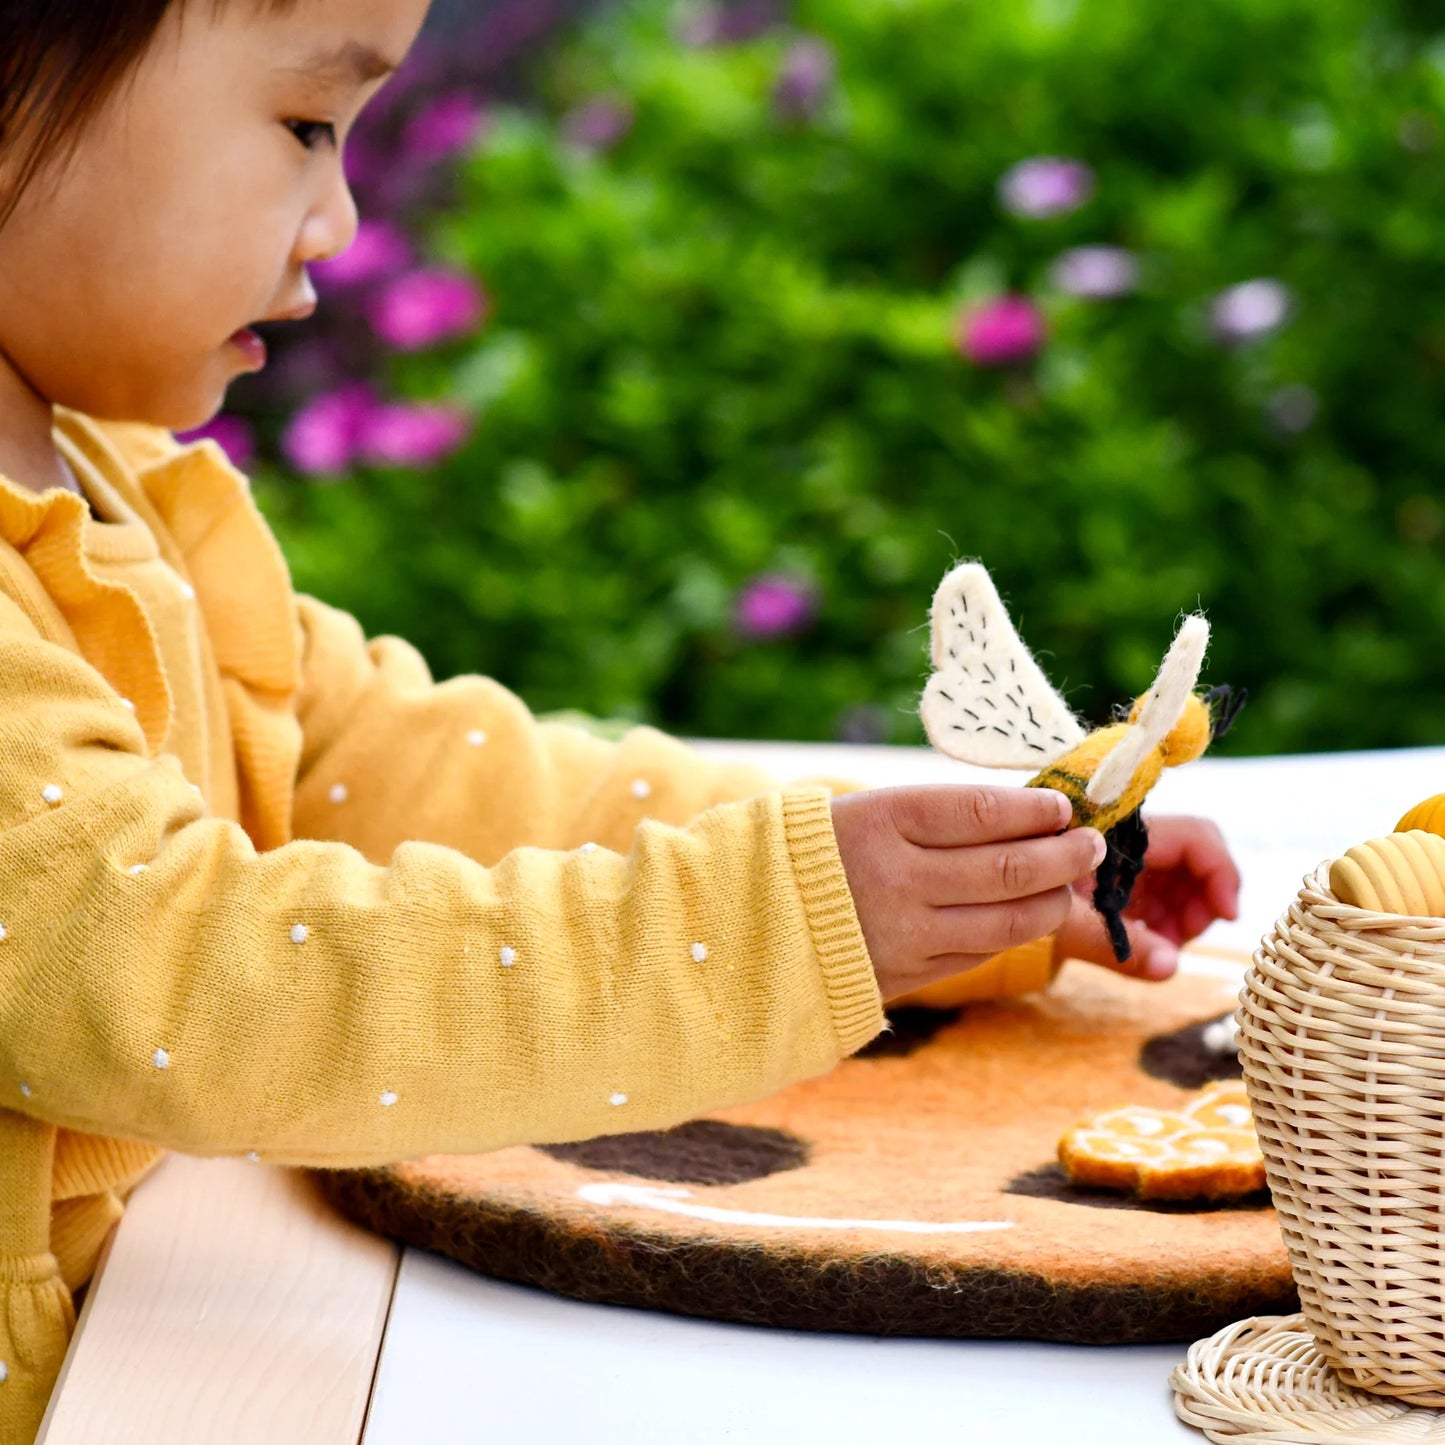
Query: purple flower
x,y
325,436
1001,332
407,434
865,722
1418,131
232,434
1249,310
1046,186
379,249
809,69
1095,272
599,124
774,605
449,124
727,24
428,306
362,163
1293,408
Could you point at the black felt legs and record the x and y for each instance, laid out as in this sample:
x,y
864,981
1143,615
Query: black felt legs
x,y
1128,841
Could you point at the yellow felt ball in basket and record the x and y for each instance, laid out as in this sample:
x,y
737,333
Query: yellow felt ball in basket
x,y
1428,816
1402,873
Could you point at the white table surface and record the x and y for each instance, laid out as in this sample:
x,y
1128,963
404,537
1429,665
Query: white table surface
x,y
469,1359
234,1307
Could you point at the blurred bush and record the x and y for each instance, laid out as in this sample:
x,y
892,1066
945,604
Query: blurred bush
x,y
759,321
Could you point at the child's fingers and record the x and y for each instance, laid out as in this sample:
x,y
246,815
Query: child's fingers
x,y
960,816
1151,954
995,927
1179,908
1196,916
995,873
1197,845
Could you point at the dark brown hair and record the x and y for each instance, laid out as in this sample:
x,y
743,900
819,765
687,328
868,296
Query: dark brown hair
x,y
60,61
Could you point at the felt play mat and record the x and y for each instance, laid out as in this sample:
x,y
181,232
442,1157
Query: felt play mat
x,y
913,1190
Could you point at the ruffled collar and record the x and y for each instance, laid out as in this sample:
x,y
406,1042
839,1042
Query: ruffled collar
x,y
193,509
200,511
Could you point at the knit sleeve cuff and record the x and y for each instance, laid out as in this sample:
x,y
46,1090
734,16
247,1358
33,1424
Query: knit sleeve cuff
x,y
852,989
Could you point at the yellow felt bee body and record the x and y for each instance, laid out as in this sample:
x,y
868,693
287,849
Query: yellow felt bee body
x,y
1073,772
989,703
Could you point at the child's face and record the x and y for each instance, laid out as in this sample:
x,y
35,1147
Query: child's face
x,y
192,208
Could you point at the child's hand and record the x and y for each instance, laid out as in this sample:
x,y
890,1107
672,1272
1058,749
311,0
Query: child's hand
x,y
943,878
1188,881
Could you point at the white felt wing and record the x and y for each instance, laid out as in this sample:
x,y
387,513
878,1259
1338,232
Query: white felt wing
x,y
1163,707
988,702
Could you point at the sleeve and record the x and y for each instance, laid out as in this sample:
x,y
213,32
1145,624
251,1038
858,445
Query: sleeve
x,y
391,756
166,982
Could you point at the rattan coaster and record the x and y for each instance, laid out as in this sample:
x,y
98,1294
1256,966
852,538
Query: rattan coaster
x,y
1264,1379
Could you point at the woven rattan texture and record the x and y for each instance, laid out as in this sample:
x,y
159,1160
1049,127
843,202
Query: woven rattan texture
x,y
1265,1379
1342,1038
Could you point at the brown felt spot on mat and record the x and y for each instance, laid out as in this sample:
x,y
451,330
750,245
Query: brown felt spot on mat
x,y
912,1028
1049,1181
1182,1058
705,1151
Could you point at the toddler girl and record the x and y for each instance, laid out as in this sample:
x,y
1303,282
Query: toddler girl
x,y
268,891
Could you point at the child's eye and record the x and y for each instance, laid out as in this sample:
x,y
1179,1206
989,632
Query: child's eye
x,y
312,132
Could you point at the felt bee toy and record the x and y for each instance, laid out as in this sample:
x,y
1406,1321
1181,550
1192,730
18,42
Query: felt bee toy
x,y
989,703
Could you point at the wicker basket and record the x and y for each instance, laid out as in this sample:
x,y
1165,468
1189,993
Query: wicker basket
x,y
1342,1037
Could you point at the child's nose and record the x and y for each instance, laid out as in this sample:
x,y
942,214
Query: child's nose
x,y
330,227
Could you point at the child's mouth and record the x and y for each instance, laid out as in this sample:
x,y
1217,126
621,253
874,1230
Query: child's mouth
x,y
251,346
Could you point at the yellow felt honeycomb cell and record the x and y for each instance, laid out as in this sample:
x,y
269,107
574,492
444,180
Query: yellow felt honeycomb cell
x,y
1401,873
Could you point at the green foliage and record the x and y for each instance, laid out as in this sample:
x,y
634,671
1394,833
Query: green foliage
x,y
725,347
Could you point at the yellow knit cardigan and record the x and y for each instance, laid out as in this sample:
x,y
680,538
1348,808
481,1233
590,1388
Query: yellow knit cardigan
x,y
267,890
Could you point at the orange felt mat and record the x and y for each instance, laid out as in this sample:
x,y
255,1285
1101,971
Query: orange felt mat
x,y
913,1190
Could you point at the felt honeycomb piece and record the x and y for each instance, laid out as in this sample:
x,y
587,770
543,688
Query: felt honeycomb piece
x,y
913,1190
1205,1149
